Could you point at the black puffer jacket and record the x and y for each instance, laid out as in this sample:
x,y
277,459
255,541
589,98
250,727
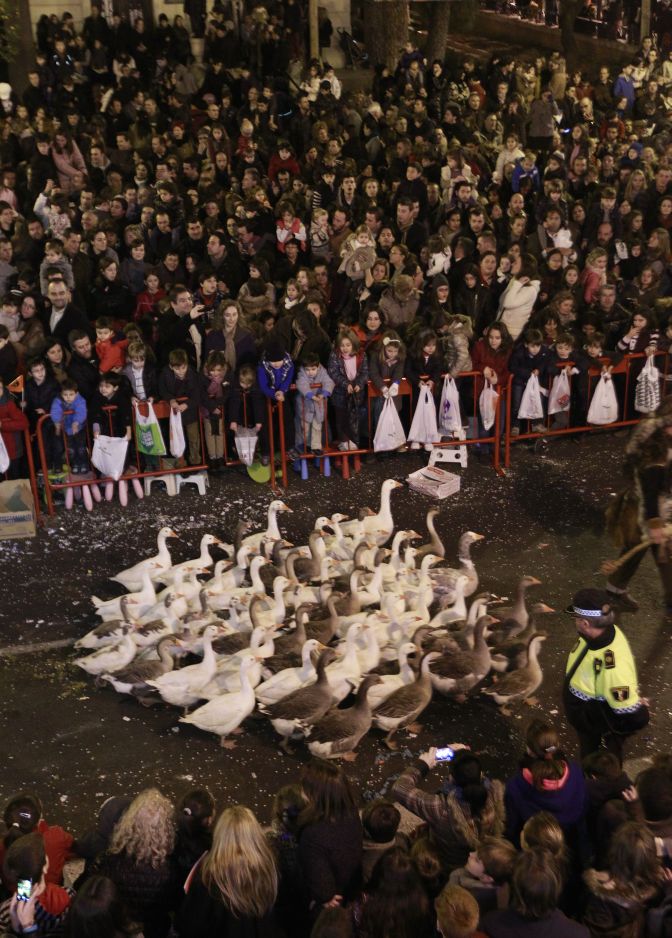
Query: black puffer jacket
x,y
147,892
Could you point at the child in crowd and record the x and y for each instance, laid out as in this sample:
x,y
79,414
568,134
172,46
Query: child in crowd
x,y
68,415
310,406
275,372
55,261
113,392
529,358
349,371
12,424
214,393
146,301
140,370
386,366
457,913
424,362
111,351
179,384
195,816
11,317
319,234
487,873
246,405
23,815
41,389
380,823
565,351
291,298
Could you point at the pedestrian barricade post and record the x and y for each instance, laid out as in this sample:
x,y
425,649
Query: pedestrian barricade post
x,y
625,372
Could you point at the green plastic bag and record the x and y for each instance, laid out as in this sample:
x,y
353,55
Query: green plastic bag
x,y
148,433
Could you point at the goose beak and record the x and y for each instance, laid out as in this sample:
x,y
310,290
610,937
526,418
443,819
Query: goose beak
x,y
284,507
217,541
478,537
413,536
397,485
533,581
546,608
173,534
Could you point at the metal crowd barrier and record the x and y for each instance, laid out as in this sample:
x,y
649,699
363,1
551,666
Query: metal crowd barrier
x,y
623,367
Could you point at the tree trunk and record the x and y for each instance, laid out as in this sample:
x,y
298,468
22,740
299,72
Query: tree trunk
x,y
439,24
568,12
386,25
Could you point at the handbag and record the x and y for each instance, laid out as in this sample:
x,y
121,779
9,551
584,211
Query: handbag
x,y
560,396
647,392
604,405
109,455
487,405
450,418
148,433
4,456
531,406
423,427
177,441
389,432
246,443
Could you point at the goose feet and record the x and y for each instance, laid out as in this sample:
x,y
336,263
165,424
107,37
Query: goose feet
x,y
414,728
506,711
286,748
531,701
228,743
391,743
349,756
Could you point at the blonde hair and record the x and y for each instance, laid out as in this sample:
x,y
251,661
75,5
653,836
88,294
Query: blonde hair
x,y
457,912
241,865
543,830
146,832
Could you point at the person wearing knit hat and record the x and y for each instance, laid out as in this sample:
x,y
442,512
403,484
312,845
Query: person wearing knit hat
x,y
639,514
600,692
275,373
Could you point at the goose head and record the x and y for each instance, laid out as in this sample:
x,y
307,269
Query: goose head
x,y
278,505
390,484
210,633
309,648
337,517
527,581
209,540
168,532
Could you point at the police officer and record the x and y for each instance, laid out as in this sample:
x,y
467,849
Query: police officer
x,y
601,696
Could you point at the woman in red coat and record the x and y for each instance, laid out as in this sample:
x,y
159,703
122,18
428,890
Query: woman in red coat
x,y
12,423
490,357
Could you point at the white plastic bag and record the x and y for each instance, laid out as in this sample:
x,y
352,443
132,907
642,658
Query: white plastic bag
x,y
604,405
177,441
148,433
487,405
449,408
560,396
389,432
423,427
109,456
4,456
531,407
246,443
647,393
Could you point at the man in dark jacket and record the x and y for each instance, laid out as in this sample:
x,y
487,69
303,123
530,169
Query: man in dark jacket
x,y
301,334
64,317
84,367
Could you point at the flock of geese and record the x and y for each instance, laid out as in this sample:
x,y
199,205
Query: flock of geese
x,y
292,632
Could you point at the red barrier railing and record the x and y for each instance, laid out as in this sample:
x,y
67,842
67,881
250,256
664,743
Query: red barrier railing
x,y
32,474
624,367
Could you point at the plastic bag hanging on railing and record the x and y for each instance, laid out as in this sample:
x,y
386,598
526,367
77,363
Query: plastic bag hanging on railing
x,y
450,419
647,392
604,405
423,427
389,432
109,455
177,442
246,443
487,405
560,396
4,456
148,433
531,406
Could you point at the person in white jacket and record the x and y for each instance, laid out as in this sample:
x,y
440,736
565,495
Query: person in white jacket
x,y
517,300
508,155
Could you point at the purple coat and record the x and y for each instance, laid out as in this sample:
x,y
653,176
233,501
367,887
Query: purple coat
x,y
568,803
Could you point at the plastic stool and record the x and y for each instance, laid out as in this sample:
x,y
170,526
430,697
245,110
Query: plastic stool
x,y
199,479
168,480
323,463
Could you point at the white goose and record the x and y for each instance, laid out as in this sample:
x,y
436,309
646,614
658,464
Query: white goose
x,y
378,527
183,688
346,673
391,682
111,657
224,714
272,532
241,595
290,679
131,577
458,611
227,577
227,674
369,656
107,633
141,600
199,564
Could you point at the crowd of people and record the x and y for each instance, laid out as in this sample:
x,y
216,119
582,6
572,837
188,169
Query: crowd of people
x,y
214,236
558,849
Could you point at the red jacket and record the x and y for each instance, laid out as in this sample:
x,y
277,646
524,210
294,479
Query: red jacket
x,y
276,164
111,354
58,848
482,356
12,420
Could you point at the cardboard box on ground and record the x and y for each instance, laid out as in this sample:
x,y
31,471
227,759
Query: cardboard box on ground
x,y
434,482
17,510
